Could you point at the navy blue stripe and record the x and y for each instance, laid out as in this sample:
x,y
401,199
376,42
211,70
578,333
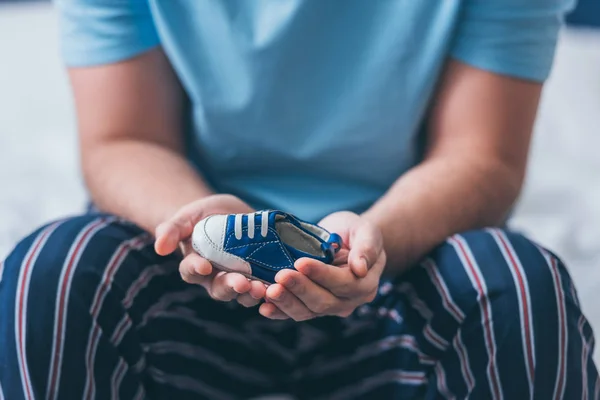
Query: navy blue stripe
x,y
86,279
544,311
465,295
9,367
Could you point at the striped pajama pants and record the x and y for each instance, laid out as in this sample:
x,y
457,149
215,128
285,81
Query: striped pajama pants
x,y
89,311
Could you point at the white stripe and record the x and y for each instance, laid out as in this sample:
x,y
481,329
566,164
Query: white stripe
x,y
221,331
442,385
563,333
166,301
21,309
136,287
453,309
434,338
122,328
516,269
104,286
140,394
484,306
227,332
407,342
439,283
414,300
597,389
1,274
144,280
584,357
198,353
1,392
237,226
463,359
139,366
117,378
189,384
64,291
251,225
413,378
264,223
573,292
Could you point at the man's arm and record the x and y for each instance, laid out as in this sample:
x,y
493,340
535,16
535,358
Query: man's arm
x,y
473,169
130,123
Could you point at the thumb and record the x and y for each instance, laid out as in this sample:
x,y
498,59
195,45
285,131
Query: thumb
x,y
170,233
365,245
178,228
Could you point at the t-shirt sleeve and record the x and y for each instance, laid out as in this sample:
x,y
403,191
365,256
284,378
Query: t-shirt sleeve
x,y
510,37
95,32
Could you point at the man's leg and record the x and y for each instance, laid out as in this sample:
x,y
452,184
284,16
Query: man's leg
x,y
488,314
89,310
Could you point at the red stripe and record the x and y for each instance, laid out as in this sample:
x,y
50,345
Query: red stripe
x,y
140,393
61,304
109,273
462,354
584,356
526,322
101,291
484,306
457,314
562,330
442,385
431,268
117,378
144,278
123,325
34,253
433,337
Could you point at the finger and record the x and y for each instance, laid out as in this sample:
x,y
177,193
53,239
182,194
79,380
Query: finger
x,y
226,286
257,290
196,270
338,280
341,257
170,233
365,245
194,264
373,278
288,303
316,298
247,300
271,311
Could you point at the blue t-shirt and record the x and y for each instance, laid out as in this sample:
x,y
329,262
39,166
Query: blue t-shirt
x,y
312,106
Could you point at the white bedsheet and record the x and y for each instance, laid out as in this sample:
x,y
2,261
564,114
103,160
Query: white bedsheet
x,y
39,177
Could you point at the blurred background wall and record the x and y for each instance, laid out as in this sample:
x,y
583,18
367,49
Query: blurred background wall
x,y
560,205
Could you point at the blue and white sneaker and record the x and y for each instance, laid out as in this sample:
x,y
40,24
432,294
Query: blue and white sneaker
x,y
260,244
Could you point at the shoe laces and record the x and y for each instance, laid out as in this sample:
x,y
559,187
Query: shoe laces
x,y
264,224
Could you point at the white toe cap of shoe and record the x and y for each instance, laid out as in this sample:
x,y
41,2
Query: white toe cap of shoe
x,y
208,241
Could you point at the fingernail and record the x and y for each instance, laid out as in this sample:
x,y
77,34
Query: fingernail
x,y
364,263
276,296
290,282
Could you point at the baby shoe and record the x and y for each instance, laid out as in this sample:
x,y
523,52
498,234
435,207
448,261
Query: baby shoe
x,y
260,244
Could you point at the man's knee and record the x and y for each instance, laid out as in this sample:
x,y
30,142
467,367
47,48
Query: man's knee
x,y
45,262
486,266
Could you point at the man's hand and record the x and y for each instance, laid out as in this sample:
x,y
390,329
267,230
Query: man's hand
x,y
317,289
176,233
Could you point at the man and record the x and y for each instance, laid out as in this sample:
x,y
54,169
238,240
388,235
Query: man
x,y
404,126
